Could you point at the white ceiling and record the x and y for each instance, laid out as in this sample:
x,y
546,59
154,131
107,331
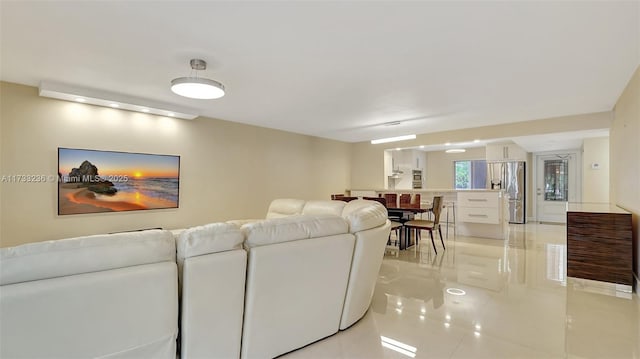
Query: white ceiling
x,y
337,69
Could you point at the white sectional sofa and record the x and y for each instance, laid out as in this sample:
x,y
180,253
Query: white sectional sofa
x,y
212,266
250,288
106,296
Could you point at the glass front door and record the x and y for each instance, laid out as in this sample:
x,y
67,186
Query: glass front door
x,y
557,183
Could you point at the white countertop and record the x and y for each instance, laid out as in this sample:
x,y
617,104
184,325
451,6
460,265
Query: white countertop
x,y
595,208
426,190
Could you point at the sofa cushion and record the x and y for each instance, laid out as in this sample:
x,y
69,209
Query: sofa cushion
x,y
210,238
50,259
363,215
323,207
285,207
293,228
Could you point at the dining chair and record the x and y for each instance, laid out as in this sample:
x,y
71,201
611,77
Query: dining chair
x,y
392,200
420,224
405,200
415,201
396,226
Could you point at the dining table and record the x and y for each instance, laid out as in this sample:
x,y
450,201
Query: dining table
x,y
405,214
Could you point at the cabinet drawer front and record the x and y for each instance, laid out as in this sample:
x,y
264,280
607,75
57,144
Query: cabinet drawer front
x,y
479,215
478,199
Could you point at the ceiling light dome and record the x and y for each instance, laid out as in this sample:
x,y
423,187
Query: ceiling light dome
x,y
197,87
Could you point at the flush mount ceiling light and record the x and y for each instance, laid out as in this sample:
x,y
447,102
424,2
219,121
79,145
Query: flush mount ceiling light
x,y
113,100
197,87
393,139
456,150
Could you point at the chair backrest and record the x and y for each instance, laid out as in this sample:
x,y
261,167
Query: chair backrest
x,y
405,200
437,208
392,200
382,200
415,202
337,196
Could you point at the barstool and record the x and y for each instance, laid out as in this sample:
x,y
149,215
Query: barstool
x,y
450,205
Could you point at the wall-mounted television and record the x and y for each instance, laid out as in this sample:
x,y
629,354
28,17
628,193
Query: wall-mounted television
x,y
92,181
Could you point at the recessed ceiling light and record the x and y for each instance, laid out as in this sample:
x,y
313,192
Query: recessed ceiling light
x,y
80,99
145,110
456,150
114,105
171,114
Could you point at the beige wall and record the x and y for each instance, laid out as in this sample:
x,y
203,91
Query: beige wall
x,y
440,166
228,170
625,157
595,181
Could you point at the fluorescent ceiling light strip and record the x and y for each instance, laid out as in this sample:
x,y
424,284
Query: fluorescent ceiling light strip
x,y
456,150
393,139
107,99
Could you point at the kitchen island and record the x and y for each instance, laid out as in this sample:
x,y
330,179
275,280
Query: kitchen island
x,y
474,212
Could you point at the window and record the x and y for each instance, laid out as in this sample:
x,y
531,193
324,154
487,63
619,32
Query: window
x,y
556,180
470,174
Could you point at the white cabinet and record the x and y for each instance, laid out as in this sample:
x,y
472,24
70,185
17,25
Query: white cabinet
x,y
481,214
505,152
403,164
479,207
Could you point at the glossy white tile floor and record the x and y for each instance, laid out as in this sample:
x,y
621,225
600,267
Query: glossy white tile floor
x,y
517,303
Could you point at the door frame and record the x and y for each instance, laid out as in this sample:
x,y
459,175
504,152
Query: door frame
x,y
534,186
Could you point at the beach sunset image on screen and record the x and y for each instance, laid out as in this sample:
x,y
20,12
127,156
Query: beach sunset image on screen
x,y
92,181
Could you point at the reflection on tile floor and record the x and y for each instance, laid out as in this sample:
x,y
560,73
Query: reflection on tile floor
x,y
484,298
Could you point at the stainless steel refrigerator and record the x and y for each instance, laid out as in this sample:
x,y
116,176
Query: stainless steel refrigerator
x,y
510,176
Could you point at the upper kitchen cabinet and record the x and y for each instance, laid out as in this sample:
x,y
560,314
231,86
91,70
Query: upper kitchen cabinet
x,y
505,152
404,169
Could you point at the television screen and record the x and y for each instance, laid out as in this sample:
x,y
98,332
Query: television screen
x,y
91,181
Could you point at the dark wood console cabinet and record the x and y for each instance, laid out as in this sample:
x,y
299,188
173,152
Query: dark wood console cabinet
x,y
599,243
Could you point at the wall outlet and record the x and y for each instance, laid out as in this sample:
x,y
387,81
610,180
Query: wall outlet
x,y
595,166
